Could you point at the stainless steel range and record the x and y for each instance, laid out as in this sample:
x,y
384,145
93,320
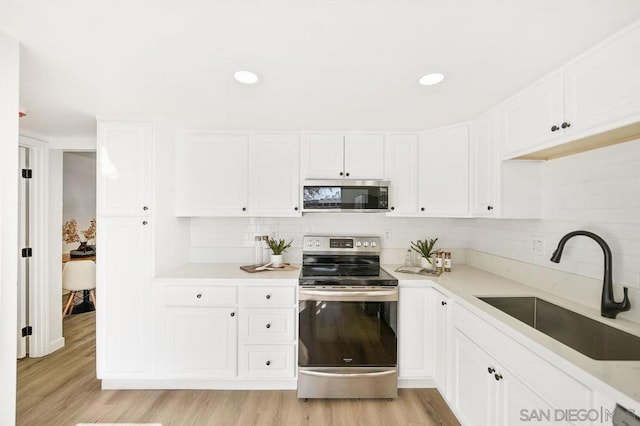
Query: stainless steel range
x,y
347,346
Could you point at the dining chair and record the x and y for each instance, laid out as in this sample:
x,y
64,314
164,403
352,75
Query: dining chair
x,y
78,275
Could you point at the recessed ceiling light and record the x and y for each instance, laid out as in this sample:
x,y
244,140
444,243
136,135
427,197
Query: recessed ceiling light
x,y
431,79
246,77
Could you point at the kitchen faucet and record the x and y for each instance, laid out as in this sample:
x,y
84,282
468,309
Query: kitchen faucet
x,y
609,308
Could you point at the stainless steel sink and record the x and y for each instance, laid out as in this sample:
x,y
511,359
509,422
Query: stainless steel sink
x,y
589,337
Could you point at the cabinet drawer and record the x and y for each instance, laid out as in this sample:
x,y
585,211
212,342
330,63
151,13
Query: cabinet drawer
x,y
546,380
200,296
267,361
268,325
268,296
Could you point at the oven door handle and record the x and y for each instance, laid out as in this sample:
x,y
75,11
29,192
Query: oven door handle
x,y
350,296
347,375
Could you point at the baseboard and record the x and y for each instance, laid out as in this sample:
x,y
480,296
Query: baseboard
x,y
418,383
228,384
56,344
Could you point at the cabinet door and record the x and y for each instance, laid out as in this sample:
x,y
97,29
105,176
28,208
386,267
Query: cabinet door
x,y
200,342
519,405
603,87
274,175
402,172
364,156
125,158
443,185
484,164
212,174
415,333
442,339
528,118
123,297
322,156
475,396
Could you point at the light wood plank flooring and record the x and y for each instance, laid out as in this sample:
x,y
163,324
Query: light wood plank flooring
x,y
61,389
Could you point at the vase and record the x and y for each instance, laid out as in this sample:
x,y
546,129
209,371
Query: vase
x,y
83,246
424,264
276,260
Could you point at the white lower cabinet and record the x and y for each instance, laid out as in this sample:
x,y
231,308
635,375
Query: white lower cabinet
x,y
422,337
497,381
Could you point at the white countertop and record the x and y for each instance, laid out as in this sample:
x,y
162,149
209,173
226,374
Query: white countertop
x,y
225,271
465,283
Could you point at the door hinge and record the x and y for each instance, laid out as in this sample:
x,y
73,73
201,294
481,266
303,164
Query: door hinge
x,y
27,331
27,252
27,173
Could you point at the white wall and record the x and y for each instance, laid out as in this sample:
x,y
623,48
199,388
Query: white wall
x,y
9,84
598,191
79,191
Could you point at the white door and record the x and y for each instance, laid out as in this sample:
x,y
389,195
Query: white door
x,y
212,174
603,87
402,172
484,164
23,241
415,333
442,337
274,175
533,119
322,156
125,158
474,391
443,173
123,274
200,342
364,156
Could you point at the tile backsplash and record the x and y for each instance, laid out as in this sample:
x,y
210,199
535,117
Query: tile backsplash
x,y
597,191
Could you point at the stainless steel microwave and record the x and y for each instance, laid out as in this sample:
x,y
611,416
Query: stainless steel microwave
x,y
345,196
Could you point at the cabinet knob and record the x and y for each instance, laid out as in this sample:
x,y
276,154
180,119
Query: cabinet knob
x,y
144,222
268,325
244,209
347,174
145,208
555,128
199,296
233,314
489,207
295,208
268,296
392,208
341,174
565,125
421,209
443,303
268,363
498,376
491,370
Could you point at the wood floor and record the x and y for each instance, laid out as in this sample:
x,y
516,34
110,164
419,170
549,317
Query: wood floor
x,y
61,389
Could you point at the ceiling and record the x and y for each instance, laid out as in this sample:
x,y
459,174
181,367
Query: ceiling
x,y
323,64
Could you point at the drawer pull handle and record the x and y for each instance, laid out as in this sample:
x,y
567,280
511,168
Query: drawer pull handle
x,y
268,325
199,295
233,314
491,370
268,296
268,363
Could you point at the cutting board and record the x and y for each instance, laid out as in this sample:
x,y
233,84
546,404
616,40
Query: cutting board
x,y
252,268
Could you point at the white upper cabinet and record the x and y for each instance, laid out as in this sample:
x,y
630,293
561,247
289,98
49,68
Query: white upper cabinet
x,y
402,172
505,189
125,160
575,108
337,156
534,117
602,88
443,173
364,156
274,175
212,174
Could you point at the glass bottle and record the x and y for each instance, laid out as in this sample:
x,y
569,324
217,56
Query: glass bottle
x,y
266,256
408,258
257,250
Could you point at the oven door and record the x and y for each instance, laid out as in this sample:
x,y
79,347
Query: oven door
x,y
347,327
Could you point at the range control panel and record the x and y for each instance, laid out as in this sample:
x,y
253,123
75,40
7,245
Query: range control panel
x,y
311,243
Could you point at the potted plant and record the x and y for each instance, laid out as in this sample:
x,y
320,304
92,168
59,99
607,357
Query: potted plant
x,y
71,235
426,249
277,248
